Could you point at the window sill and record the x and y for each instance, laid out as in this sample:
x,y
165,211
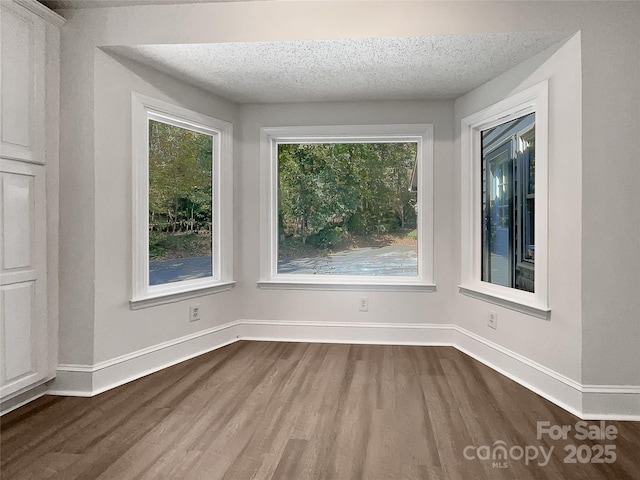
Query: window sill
x,y
346,286
528,308
165,297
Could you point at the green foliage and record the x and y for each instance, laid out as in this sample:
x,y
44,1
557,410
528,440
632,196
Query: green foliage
x,y
413,234
178,245
156,248
327,237
180,163
329,190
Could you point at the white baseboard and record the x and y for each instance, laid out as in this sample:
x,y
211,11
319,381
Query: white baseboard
x,y
556,388
587,402
351,332
90,380
611,402
23,397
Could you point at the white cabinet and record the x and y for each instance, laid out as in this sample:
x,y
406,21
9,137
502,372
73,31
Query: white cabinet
x,y
26,330
22,92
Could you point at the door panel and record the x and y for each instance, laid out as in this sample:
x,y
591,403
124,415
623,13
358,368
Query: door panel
x,y
21,88
23,297
18,202
25,330
18,324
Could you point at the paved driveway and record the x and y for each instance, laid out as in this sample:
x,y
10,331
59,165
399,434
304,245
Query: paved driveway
x,y
390,260
178,269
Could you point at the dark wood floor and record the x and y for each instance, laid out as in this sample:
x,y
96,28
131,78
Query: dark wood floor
x,y
295,411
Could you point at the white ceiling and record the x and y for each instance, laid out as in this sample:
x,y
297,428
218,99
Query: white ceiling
x,y
428,67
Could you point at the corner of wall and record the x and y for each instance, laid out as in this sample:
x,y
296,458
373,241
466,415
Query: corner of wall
x,y
77,192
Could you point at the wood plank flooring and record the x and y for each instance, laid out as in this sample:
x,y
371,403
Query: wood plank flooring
x,y
296,411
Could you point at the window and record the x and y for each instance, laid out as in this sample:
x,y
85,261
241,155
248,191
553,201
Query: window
x,y
504,204
181,211
508,203
347,205
180,202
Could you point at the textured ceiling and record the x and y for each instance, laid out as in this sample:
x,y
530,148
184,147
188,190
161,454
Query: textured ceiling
x,y
430,67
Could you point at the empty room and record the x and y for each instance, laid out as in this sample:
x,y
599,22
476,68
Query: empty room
x,y
317,239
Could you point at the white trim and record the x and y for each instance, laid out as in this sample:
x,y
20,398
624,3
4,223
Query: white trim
x,y
615,389
350,332
21,398
90,380
553,386
172,297
354,284
534,99
522,306
589,402
422,134
144,108
613,417
43,12
29,399
73,382
619,403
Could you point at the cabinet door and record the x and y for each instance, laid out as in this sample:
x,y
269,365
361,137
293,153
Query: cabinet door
x,y
23,292
23,245
22,69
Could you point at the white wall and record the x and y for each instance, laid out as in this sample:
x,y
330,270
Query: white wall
x,y
52,145
118,329
96,321
416,307
595,314
77,236
611,210
554,343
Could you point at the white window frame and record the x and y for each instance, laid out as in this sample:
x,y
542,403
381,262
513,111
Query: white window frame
x,y
534,99
270,137
146,108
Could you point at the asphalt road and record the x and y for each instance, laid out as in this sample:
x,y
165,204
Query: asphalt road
x,y
175,270
390,260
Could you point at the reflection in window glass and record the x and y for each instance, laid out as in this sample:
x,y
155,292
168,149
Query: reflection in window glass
x,y
347,209
508,199
180,204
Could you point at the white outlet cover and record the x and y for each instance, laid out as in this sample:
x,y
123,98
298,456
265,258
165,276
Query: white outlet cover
x,y
364,304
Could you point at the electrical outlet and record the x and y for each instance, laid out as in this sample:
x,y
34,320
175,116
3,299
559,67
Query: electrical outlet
x,y
194,313
364,304
493,320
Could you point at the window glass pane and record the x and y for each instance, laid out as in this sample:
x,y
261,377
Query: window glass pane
x,y
508,203
347,209
498,219
180,204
